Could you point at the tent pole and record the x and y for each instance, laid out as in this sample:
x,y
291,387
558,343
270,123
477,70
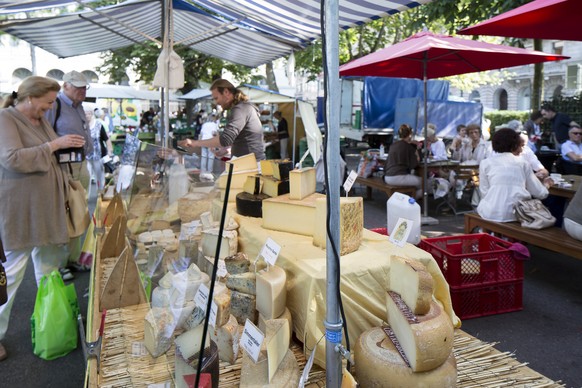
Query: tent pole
x,y
426,220
294,129
167,28
332,323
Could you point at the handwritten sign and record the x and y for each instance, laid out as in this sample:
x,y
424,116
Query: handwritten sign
x,y
350,181
270,251
201,297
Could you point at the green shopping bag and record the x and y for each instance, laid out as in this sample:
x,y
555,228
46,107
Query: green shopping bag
x,y
54,319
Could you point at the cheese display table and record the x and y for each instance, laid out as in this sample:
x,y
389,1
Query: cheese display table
x,y
364,279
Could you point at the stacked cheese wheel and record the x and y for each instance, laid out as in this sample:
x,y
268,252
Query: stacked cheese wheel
x,y
415,350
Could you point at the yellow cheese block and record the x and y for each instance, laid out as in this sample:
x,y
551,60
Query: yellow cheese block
x,y
253,185
301,183
351,224
293,216
286,315
378,364
242,163
238,179
274,187
271,292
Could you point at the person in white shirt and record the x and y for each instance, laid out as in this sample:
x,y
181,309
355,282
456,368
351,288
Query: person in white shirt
x,y
208,130
437,146
572,149
505,178
476,150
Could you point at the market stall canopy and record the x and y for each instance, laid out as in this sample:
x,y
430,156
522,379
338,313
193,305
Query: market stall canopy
x,y
245,32
139,21
127,92
264,96
195,94
540,19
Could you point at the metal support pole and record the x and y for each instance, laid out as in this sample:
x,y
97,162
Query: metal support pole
x,y
333,324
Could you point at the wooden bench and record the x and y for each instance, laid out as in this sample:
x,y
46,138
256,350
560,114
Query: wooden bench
x,y
553,239
376,182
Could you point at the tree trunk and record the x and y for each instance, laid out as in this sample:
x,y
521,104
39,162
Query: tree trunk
x,y
271,82
538,80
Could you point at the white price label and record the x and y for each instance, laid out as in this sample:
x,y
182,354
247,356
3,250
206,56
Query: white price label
x,y
201,297
270,251
213,312
251,340
350,181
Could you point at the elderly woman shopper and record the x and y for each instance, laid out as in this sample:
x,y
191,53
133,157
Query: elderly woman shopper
x,y
505,178
402,160
32,187
476,149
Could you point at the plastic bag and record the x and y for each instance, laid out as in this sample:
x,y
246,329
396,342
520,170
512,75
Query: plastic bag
x,y
54,319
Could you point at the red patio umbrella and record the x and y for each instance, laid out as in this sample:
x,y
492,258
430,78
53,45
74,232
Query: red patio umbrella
x,y
426,55
540,19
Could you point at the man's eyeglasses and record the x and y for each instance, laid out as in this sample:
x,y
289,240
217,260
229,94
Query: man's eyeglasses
x,y
577,133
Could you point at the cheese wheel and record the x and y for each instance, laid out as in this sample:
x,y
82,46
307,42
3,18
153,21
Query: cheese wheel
x,y
250,205
413,282
427,341
378,364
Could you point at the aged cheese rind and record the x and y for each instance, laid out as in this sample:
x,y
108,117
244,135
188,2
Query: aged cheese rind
x,y
250,205
286,315
243,307
271,292
281,168
277,343
351,224
378,364
253,185
188,344
413,282
426,344
223,308
287,215
227,338
302,183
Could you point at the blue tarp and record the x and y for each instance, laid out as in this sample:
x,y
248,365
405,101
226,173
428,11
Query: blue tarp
x,y
381,93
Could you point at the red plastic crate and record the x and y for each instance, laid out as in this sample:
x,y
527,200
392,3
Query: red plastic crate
x,y
474,259
479,301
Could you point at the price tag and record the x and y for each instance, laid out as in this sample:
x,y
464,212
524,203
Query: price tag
x,y
350,181
201,297
213,312
401,231
221,270
251,340
270,251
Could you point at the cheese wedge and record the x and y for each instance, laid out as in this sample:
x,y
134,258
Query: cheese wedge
x,y
227,338
159,328
413,282
271,292
242,163
287,215
238,179
281,168
427,340
274,187
253,185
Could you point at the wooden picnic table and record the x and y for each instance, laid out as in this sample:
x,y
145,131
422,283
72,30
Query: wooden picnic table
x,y
567,192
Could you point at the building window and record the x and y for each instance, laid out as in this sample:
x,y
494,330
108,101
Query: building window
x,y
524,98
475,96
573,77
19,74
55,74
500,99
91,76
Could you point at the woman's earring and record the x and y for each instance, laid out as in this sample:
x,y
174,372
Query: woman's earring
x,y
29,102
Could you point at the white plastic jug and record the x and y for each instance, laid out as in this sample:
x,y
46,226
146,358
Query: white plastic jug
x,y
402,206
179,183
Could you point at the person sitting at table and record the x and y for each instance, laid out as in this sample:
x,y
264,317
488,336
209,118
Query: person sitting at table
x,y
505,178
459,139
402,160
436,146
533,129
573,216
477,149
572,151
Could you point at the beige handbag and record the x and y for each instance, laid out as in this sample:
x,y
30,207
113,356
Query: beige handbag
x,y
532,214
78,218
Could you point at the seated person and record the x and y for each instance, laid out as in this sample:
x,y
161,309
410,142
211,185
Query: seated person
x,y
459,139
572,150
573,216
506,178
528,155
477,149
401,162
436,146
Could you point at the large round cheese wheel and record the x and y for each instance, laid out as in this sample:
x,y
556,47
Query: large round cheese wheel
x,y
378,364
250,205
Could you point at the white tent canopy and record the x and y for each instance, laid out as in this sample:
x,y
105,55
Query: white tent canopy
x,y
195,94
122,91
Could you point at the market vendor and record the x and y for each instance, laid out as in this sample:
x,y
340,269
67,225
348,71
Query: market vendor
x,y
243,130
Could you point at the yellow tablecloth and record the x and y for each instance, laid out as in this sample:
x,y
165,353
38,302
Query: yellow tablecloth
x,y
365,277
